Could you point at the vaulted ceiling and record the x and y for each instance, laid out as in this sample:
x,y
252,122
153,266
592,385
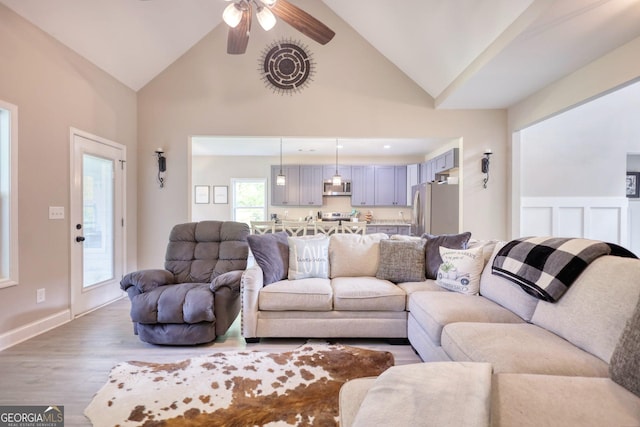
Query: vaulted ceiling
x,y
464,53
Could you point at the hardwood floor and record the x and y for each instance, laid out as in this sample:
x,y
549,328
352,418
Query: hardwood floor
x,y
68,365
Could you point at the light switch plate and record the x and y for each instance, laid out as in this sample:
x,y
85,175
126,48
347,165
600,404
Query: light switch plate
x,y
40,295
56,212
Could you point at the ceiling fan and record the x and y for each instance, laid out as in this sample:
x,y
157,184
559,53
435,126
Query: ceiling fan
x,y
239,13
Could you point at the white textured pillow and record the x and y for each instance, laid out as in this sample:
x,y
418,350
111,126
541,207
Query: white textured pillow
x,y
354,255
460,270
308,257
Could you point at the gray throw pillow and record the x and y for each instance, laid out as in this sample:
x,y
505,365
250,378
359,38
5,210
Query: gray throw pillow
x,y
432,249
401,260
271,252
624,366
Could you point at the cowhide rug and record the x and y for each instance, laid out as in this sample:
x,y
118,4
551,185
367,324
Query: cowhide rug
x,y
231,389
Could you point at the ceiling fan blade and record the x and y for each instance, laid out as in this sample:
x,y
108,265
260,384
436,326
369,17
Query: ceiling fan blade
x,y
238,37
302,21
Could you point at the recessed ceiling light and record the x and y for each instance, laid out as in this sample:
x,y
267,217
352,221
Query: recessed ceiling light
x,y
340,146
387,147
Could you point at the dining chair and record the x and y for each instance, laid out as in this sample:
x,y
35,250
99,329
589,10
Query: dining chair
x,y
263,227
328,227
354,227
295,228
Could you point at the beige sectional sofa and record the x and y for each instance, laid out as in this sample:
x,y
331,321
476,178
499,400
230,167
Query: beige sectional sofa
x,y
499,358
505,358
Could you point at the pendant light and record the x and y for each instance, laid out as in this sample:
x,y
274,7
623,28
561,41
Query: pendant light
x,y
337,179
281,179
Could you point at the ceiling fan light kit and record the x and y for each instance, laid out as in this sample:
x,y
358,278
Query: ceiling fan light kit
x,y
232,15
266,18
238,16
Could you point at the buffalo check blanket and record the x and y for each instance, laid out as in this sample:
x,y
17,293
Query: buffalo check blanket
x,y
545,267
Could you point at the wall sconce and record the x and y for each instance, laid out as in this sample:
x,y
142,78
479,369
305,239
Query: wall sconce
x,y
162,165
485,166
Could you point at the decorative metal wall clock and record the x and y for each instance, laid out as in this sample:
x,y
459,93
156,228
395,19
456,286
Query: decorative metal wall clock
x,y
287,66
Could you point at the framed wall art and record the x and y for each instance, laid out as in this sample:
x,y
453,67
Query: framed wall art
x,y
220,194
633,190
201,194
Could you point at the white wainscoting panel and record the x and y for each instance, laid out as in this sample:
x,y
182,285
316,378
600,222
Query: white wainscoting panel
x,y
571,220
536,221
599,218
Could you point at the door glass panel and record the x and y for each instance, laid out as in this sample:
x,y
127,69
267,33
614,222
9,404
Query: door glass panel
x,y
98,219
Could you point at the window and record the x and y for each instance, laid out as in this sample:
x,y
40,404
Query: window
x,y
8,195
249,199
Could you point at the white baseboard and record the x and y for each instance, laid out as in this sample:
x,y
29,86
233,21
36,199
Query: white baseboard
x,y
23,333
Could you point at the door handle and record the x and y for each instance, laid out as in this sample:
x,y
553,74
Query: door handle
x,y
80,239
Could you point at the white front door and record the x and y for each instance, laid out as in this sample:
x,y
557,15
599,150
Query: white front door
x,y
97,221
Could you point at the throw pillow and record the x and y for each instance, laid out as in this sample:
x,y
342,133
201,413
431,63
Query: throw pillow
x,y
460,270
271,252
308,257
354,255
401,260
624,366
432,251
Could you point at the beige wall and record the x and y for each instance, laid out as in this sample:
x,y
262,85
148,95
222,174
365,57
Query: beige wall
x,y
356,92
54,90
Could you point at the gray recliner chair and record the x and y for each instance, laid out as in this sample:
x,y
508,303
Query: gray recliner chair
x,y
197,296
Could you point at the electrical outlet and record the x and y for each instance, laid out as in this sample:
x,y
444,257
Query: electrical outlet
x,y
56,212
40,295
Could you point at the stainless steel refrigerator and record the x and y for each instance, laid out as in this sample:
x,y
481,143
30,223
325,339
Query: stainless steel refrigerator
x,y
436,209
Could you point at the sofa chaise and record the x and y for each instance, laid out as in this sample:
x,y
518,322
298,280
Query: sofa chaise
x,y
505,358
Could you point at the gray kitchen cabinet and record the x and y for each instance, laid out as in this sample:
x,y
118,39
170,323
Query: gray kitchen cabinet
x,y
387,229
427,173
288,194
446,161
362,186
401,186
422,172
404,230
390,185
310,189
330,170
